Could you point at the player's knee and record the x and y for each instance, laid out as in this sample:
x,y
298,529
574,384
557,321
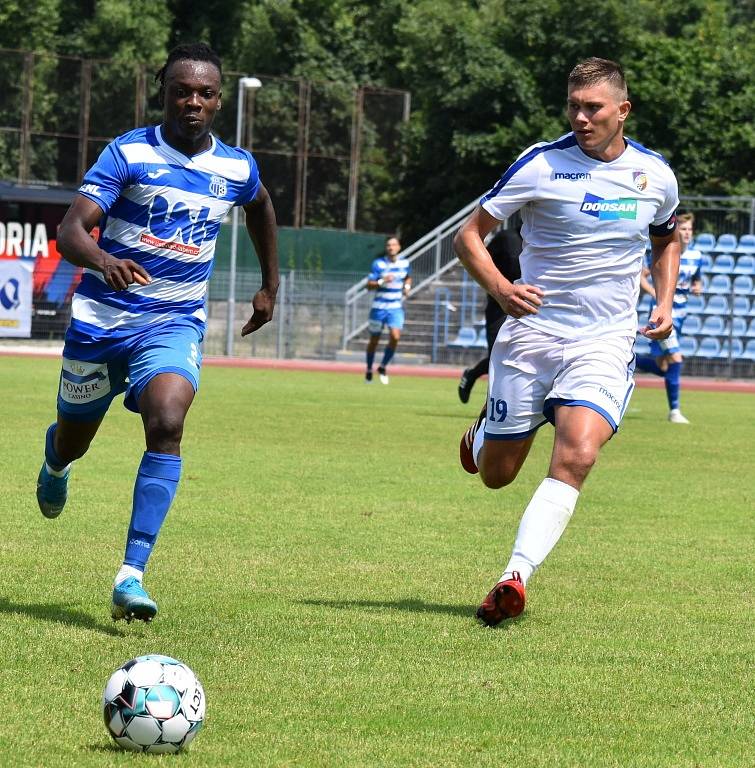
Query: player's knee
x,y
578,462
164,429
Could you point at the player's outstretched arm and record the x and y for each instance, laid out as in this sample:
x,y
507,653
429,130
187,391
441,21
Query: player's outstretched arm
x,y
78,247
665,272
515,299
262,229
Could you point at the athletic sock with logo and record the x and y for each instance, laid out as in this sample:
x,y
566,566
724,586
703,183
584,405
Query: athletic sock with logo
x,y
672,379
155,487
542,524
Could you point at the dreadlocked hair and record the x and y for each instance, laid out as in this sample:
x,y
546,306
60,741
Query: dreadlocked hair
x,y
190,52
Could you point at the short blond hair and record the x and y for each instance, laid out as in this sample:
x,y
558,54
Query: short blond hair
x,y
683,218
594,70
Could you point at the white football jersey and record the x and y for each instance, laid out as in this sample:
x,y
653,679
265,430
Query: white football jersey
x,y
585,229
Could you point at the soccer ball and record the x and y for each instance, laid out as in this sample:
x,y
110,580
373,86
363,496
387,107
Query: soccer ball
x,y
153,704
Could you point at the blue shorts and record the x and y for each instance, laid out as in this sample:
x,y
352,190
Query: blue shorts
x,y
670,345
393,318
96,371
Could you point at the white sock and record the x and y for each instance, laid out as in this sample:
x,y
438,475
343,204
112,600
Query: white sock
x,y
479,439
541,526
125,572
57,472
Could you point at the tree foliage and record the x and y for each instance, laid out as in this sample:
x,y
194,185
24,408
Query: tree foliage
x,y
487,77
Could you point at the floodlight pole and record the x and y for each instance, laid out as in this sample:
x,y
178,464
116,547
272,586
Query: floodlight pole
x,y
244,84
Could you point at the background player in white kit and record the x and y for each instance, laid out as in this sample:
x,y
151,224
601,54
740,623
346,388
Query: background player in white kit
x,y
566,356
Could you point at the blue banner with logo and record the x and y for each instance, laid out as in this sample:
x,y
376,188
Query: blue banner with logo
x,y
15,297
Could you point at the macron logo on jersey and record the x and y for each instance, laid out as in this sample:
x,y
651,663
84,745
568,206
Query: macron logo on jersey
x,y
609,210
571,175
90,189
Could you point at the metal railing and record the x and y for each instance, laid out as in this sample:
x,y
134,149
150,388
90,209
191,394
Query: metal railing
x,y
429,257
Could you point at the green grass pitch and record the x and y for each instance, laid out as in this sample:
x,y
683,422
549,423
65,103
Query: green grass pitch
x,y
322,564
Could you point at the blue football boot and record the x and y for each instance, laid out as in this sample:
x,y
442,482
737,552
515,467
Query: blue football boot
x,y
130,601
52,492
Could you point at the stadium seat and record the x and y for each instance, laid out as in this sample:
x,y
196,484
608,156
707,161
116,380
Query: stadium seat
x,y
746,244
726,243
741,305
743,284
641,345
705,242
482,339
706,262
737,348
705,280
695,304
745,265
692,325
688,346
720,284
713,325
465,338
709,347
738,326
723,351
717,305
723,264
751,329
749,350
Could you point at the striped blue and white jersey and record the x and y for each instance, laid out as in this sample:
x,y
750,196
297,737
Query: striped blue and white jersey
x,y
690,270
389,295
163,210
585,228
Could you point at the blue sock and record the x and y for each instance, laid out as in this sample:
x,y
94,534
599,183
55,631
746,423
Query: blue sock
x,y
51,457
370,360
673,384
648,364
387,356
155,487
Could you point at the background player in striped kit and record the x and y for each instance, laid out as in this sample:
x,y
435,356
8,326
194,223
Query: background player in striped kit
x,y
159,195
390,279
665,358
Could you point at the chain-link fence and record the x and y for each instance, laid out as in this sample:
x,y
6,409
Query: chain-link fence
x,y
327,151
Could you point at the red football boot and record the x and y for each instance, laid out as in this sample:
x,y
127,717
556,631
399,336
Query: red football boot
x,y
504,601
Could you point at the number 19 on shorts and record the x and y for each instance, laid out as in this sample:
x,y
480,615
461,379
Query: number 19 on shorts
x,y
497,409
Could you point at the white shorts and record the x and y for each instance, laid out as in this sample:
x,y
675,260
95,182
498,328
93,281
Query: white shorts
x,y
531,372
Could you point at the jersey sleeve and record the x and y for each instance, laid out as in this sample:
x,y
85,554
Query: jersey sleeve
x,y
664,222
253,183
106,179
517,187
375,270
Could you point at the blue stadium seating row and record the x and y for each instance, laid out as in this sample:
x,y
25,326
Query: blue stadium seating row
x,y
708,347
726,243
469,338
727,264
715,305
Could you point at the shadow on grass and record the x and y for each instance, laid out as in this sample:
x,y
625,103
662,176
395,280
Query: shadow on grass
x,y
413,606
59,614
416,606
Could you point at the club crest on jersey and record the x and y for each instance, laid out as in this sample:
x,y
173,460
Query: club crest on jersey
x,y
609,210
218,186
640,179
